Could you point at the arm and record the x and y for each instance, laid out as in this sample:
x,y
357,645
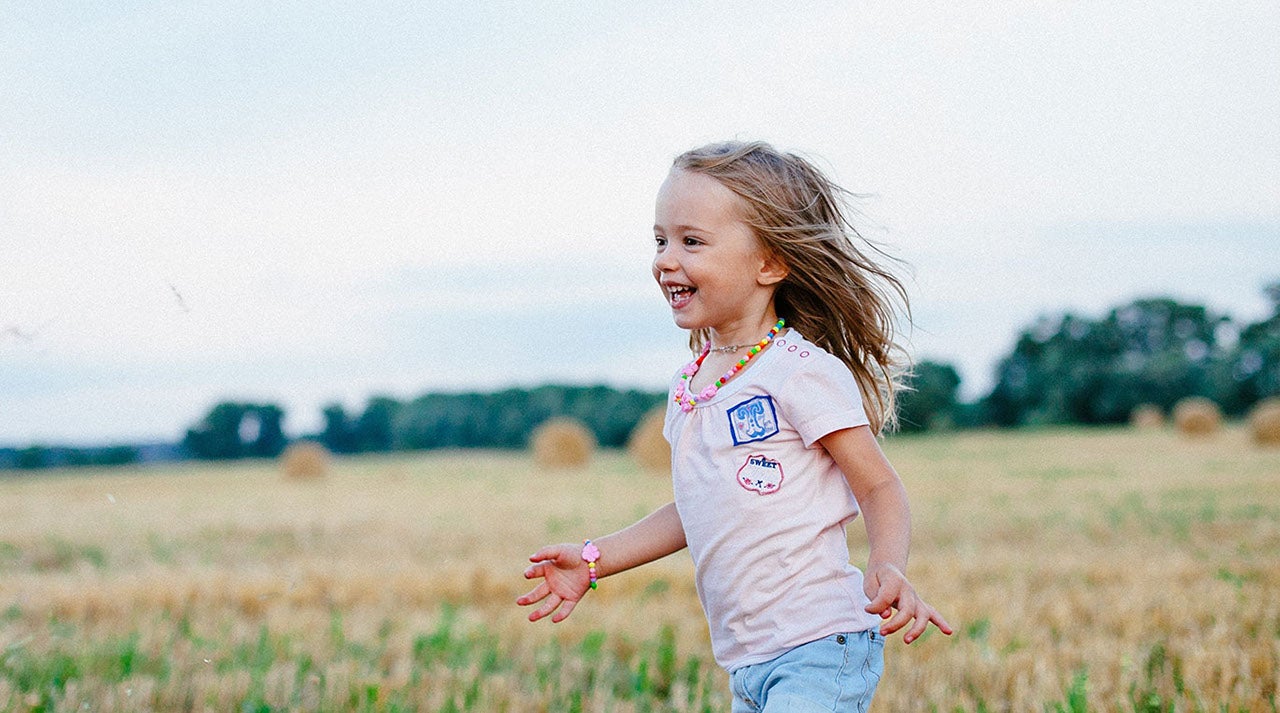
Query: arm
x,y
564,574
887,515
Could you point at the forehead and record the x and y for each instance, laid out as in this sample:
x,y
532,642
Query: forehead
x,y
688,198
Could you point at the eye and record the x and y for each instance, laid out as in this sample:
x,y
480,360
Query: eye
x,y
659,241
691,241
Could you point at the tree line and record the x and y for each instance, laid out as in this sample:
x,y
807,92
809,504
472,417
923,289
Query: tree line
x,y
1072,369
501,419
1064,369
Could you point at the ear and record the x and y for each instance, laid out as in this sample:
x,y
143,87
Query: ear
x,y
772,269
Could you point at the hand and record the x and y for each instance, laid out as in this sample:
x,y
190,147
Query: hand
x,y
888,589
564,581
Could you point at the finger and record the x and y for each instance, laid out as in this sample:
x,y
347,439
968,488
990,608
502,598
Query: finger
x,y
917,628
882,602
535,594
564,612
906,611
889,597
899,620
553,601
535,570
941,623
549,552
568,556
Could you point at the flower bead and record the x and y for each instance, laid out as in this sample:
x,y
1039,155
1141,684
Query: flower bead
x,y
590,553
682,393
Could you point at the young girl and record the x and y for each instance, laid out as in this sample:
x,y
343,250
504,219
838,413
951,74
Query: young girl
x,y
773,436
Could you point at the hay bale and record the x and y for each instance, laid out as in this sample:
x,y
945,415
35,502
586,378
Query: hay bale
x,y
647,446
304,460
562,443
1264,422
1147,417
1196,416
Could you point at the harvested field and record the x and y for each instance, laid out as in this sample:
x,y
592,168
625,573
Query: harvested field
x,y
1134,570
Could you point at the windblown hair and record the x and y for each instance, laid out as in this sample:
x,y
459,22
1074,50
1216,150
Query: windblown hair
x,y
834,293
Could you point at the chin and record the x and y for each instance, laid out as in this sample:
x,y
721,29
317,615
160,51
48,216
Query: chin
x,y
685,321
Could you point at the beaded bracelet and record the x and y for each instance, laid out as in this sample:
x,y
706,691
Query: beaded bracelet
x,y
590,553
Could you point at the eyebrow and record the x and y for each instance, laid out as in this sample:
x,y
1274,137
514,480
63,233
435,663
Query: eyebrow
x,y
678,228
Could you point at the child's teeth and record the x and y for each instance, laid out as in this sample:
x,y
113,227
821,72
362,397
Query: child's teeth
x,y
681,295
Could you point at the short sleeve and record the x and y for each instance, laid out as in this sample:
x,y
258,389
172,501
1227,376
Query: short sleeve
x,y
822,397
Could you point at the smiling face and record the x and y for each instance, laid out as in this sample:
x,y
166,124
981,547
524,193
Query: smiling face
x,y
712,268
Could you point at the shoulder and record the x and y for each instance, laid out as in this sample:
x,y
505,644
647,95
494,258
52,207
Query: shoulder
x,y
817,391
814,376
801,358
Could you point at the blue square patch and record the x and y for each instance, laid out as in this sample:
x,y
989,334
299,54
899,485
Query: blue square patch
x,y
753,420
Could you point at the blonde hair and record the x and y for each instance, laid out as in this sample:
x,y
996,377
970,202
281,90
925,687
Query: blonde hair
x,y
834,293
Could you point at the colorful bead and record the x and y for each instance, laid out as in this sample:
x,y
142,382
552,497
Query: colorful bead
x,y
687,402
590,553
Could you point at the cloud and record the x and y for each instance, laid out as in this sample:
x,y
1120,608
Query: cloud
x,y
276,200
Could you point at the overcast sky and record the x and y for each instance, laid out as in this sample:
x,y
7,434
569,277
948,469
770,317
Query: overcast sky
x,y
322,202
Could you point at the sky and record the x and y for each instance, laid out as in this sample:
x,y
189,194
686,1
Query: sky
x,y
310,203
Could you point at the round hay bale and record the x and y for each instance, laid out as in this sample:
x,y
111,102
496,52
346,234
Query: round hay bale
x,y
1264,422
647,446
1147,417
562,443
1197,416
304,460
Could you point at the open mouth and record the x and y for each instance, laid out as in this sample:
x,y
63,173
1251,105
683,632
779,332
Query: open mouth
x,y
680,295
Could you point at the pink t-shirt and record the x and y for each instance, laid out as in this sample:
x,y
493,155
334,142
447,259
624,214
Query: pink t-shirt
x,y
764,507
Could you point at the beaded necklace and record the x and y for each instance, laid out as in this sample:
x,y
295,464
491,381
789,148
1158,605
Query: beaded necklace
x,y
687,401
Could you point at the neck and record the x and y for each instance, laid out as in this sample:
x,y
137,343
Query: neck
x,y
745,333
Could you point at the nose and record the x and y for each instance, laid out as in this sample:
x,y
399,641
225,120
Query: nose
x,y
665,260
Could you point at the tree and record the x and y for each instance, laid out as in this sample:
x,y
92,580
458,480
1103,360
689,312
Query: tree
x,y
1251,371
930,401
270,441
340,434
116,455
506,418
237,430
33,457
1077,370
376,426
217,436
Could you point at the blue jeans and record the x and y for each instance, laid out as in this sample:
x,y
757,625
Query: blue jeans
x,y
835,673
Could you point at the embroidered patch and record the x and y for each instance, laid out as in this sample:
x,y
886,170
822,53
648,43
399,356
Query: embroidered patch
x,y
753,420
760,474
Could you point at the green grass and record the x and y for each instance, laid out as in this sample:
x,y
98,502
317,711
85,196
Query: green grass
x,y
452,661
450,665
